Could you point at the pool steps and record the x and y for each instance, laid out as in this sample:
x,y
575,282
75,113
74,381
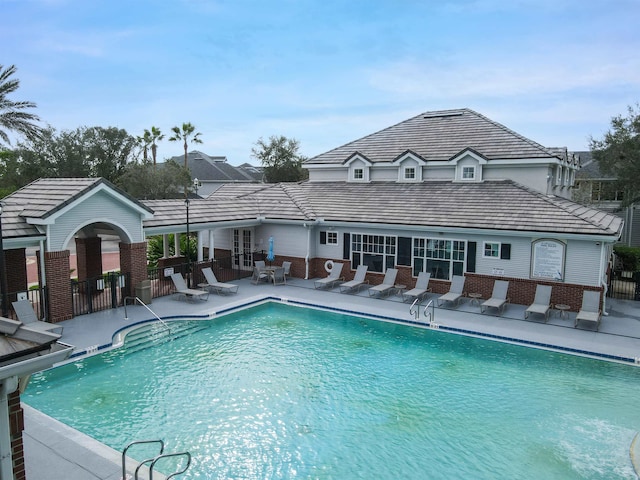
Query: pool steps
x,y
152,334
152,461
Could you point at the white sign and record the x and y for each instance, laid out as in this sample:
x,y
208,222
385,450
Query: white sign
x,y
498,271
547,259
168,271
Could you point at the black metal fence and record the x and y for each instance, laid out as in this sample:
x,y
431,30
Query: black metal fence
x,y
100,293
37,297
226,269
624,285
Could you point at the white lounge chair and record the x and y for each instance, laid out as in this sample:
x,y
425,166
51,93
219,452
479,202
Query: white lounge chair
x,y
541,303
333,278
498,298
260,273
27,315
213,283
358,280
456,291
387,285
182,291
590,311
420,290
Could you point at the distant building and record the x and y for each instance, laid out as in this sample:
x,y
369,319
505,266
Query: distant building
x,y
597,189
214,171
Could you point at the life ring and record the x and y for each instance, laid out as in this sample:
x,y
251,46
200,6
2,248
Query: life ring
x,y
328,266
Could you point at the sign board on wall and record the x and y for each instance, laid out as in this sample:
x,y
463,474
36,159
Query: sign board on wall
x,y
547,259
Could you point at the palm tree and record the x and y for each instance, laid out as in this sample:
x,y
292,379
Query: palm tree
x,y
183,135
155,136
145,141
12,116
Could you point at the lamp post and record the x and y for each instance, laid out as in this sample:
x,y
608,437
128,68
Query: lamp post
x,y
3,273
188,246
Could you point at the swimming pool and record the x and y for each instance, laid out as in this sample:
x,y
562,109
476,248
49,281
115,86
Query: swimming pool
x,y
277,391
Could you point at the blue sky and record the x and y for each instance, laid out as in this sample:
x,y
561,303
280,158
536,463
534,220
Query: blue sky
x,y
323,72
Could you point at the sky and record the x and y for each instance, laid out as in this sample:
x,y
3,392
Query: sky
x,y
322,72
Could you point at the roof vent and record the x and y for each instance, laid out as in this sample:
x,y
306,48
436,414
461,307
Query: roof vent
x,y
443,114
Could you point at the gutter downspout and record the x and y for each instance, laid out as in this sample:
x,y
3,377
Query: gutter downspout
x,y
603,282
308,255
9,385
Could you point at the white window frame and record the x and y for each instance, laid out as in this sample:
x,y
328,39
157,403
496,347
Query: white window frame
x,y
426,251
498,246
358,173
332,238
410,173
368,245
465,169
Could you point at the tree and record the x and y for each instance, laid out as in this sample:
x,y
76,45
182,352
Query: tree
x,y
145,182
618,153
184,135
280,159
12,114
155,135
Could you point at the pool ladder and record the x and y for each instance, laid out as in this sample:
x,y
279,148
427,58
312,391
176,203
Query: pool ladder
x,y
152,461
429,312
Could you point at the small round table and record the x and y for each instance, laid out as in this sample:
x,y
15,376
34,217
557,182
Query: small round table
x,y
399,288
475,298
562,309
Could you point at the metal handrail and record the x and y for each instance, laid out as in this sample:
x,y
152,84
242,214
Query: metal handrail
x,y
432,314
137,442
126,317
416,312
160,457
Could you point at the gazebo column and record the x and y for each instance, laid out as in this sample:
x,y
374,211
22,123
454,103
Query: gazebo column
x,y
212,245
89,257
57,268
133,260
176,244
166,250
200,256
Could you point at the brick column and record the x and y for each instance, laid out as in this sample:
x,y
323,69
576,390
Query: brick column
x,y
56,265
89,257
16,426
16,265
133,260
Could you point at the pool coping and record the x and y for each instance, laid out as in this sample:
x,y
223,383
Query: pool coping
x,y
119,334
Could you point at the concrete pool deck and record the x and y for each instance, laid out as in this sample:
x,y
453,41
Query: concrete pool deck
x,y
53,450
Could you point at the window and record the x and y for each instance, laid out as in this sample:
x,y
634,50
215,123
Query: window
x,y
410,173
377,252
468,173
605,191
441,258
358,173
491,250
328,238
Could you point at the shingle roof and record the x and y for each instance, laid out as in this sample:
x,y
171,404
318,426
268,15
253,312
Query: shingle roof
x,y
439,136
44,197
216,169
492,205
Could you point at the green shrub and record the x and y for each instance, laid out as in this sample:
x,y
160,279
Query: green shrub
x,y
629,257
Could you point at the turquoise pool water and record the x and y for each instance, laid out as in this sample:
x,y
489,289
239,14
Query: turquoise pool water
x,y
280,392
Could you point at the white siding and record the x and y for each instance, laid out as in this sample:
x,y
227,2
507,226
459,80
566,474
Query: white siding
x,y
97,208
582,264
518,266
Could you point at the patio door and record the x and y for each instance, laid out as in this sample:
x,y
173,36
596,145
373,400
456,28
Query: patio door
x,y
243,248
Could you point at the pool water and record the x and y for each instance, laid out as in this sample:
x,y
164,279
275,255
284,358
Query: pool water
x,y
281,392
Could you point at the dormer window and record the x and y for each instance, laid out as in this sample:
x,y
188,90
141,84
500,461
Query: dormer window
x,y
469,173
410,173
358,173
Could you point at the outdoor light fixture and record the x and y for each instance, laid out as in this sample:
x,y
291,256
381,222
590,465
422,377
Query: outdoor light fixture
x,y
196,185
3,273
188,246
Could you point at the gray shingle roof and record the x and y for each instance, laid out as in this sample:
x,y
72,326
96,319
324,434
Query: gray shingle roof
x,y
216,169
439,136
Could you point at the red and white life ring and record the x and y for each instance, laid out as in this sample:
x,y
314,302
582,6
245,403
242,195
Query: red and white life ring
x,y
328,266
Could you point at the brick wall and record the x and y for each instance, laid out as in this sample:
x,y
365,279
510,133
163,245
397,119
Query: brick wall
x,y
16,426
133,260
16,267
56,265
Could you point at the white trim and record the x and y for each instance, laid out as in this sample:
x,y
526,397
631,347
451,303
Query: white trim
x,y
484,248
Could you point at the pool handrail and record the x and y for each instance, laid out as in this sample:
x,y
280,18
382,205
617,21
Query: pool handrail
x,y
136,299
138,442
167,455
